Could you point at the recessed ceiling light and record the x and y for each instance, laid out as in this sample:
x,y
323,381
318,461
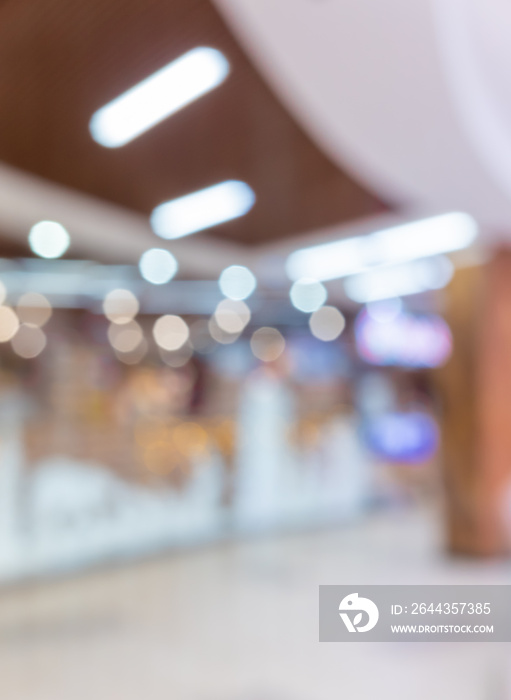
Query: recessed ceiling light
x,y
203,209
418,239
158,96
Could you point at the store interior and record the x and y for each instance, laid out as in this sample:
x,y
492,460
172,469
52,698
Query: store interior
x,y
255,337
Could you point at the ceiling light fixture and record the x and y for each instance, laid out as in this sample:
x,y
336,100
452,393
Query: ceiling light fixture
x,y
158,96
400,280
400,244
203,209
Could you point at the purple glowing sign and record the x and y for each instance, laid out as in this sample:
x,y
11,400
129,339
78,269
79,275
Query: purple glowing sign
x,y
410,438
407,340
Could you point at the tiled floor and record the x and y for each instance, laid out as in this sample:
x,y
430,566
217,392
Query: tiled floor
x,y
239,622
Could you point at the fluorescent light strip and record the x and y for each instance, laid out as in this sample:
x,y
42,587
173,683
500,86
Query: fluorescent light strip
x,y
203,209
158,96
418,239
399,280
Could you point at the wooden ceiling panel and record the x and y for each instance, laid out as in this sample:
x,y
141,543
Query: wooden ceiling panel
x,y
61,60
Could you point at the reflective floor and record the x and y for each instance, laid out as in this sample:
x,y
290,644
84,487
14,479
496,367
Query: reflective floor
x,y
239,622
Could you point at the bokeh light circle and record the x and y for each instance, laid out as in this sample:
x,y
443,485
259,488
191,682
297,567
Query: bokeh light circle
x,y
125,337
9,324
133,357
267,344
237,282
158,266
48,239
327,323
120,306
29,341
170,332
177,358
232,316
308,294
34,308
220,335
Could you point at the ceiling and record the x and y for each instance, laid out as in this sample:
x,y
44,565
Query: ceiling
x,y
414,96
62,60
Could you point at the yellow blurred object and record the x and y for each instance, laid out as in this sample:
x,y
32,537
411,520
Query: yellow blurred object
x,y
190,439
149,432
159,458
223,434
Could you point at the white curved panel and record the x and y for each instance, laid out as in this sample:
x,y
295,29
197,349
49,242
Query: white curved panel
x,y
477,55
367,80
